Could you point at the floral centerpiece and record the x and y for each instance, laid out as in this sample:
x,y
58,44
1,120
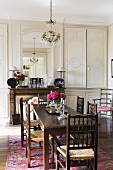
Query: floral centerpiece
x,y
56,97
19,77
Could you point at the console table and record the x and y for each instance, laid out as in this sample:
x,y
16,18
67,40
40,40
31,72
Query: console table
x,y
14,92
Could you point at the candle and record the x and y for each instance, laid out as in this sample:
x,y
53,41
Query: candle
x,y
63,101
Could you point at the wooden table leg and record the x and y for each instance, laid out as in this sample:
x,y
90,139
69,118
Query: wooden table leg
x,y
46,150
12,104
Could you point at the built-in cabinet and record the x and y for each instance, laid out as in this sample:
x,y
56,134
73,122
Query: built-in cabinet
x,y
85,51
75,57
3,72
96,57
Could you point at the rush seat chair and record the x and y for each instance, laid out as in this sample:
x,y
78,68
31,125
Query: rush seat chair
x,y
36,136
105,102
33,124
79,152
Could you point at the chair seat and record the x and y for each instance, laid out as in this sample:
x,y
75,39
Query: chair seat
x,y
38,136
32,123
104,108
79,154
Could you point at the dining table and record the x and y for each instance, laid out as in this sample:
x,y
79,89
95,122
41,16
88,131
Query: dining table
x,y
50,123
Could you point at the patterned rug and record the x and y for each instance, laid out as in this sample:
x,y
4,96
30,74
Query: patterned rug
x,y
16,159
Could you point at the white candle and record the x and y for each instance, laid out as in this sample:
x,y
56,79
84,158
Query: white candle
x,y
63,101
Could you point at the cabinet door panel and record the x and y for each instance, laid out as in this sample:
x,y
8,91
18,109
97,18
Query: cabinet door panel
x,y
3,73
75,53
96,57
3,55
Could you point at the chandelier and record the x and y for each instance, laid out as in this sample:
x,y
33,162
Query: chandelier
x,y
34,57
50,37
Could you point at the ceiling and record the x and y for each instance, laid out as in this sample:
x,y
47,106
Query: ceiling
x,y
66,11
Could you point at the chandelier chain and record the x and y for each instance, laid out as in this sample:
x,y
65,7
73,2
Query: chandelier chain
x,y
51,10
34,57
50,37
34,45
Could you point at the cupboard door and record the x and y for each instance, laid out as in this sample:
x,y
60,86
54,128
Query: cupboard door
x,y
75,57
3,73
96,57
3,56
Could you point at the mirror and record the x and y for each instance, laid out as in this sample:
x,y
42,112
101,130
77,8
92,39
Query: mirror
x,y
41,67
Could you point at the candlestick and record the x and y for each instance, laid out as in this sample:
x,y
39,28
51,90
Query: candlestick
x,y
62,116
63,102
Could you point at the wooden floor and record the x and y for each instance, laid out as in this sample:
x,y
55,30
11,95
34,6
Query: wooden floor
x,y
105,135
105,140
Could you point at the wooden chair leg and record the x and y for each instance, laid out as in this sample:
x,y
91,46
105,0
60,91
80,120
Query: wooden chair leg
x,y
28,152
60,135
57,164
52,150
68,163
22,136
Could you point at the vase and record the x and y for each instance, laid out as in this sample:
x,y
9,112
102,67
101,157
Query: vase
x,y
20,82
57,107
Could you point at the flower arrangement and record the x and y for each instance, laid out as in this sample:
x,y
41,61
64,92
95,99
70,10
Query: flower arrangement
x,y
18,76
56,97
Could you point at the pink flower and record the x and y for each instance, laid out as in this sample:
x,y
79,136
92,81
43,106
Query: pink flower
x,y
63,95
49,98
54,95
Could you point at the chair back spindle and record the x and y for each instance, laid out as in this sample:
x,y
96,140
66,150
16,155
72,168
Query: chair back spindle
x,y
80,104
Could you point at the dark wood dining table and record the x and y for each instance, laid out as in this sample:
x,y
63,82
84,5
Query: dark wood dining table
x,y
50,122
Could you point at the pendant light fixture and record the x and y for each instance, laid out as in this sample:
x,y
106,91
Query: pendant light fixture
x,y
50,37
34,57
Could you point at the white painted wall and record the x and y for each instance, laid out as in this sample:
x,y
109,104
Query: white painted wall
x,y
110,55
14,57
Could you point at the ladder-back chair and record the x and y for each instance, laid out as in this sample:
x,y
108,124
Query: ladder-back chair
x,y
91,108
81,151
34,123
80,104
105,104
36,136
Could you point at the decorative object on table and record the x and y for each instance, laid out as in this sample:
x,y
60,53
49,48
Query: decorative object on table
x,y
61,71
62,115
19,77
49,81
56,100
59,82
33,82
36,82
50,37
12,82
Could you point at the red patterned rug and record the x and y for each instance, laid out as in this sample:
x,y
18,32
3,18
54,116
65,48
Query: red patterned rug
x,y
17,160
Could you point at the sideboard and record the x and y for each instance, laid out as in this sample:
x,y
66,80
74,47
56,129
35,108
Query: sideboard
x,y
18,92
